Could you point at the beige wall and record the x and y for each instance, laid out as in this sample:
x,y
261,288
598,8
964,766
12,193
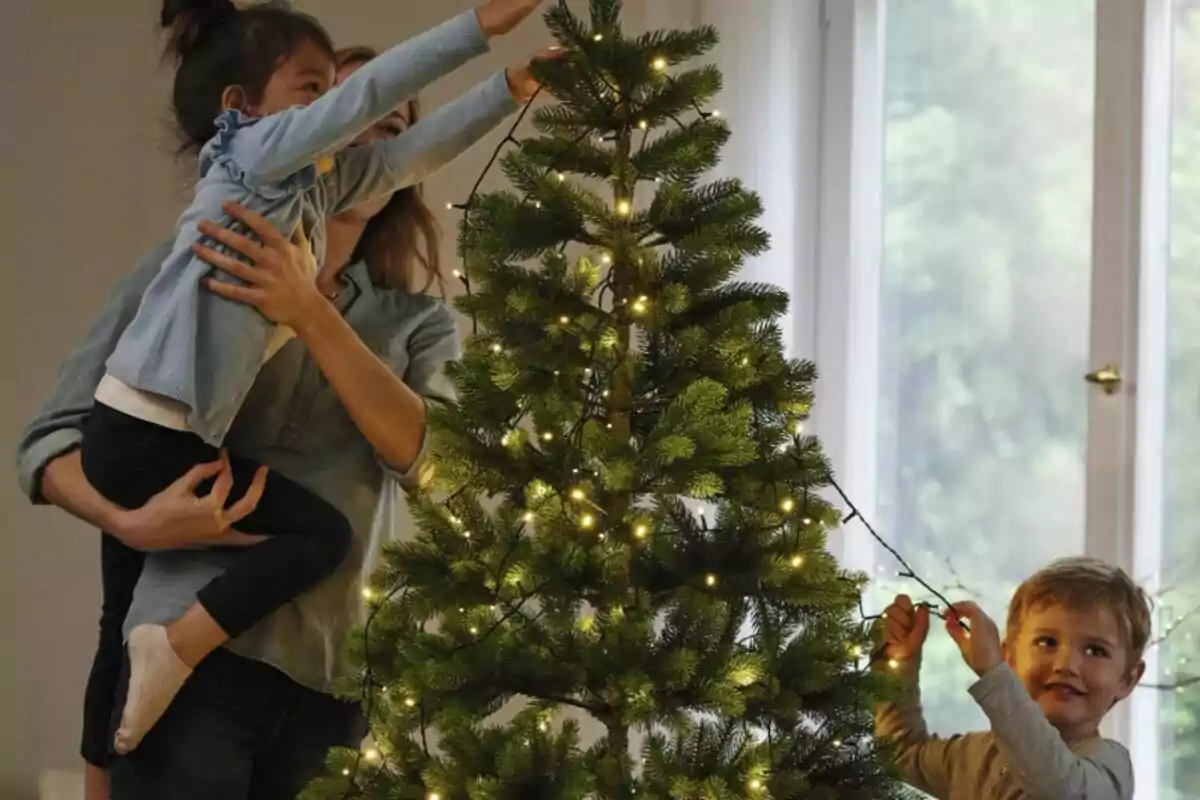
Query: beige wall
x,y
88,183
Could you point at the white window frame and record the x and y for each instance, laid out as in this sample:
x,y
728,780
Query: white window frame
x,y
850,256
1130,259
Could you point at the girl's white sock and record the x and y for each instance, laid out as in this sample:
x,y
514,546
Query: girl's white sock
x,y
156,675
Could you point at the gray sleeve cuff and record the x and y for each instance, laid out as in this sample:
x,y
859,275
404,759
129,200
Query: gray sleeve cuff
x,y
32,460
467,26
1000,679
419,472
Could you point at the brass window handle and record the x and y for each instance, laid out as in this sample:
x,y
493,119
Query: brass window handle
x,y
1107,378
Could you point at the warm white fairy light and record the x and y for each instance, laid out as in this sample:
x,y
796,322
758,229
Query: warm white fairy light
x,y
710,580
578,495
641,531
433,796
797,562
458,274
745,361
346,772
659,63
368,594
547,437
564,320
449,206
788,505
639,307
893,664
624,208
474,631
606,259
497,348
716,112
756,784
643,124
528,516
799,427
371,754
599,37
587,521
561,177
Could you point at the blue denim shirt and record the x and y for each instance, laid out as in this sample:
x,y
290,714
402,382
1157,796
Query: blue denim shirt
x,y
203,351
293,422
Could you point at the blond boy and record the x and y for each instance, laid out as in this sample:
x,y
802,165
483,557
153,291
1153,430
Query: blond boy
x,y
1072,649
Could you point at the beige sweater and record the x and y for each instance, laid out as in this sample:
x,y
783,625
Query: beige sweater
x,y
1023,756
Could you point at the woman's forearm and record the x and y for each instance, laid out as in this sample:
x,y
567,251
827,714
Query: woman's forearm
x,y
387,412
65,485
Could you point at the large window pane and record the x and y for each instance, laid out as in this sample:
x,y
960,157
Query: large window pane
x,y
1179,656
985,295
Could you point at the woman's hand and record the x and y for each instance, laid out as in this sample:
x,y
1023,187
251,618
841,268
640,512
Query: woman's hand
x,y
177,518
498,17
281,275
521,82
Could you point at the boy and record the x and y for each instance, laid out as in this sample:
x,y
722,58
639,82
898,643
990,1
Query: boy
x,y
1072,649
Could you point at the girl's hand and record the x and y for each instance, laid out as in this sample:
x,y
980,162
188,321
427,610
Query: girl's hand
x,y
904,628
980,646
281,275
498,17
521,82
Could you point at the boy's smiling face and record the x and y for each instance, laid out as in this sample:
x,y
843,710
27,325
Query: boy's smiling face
x,y
1074,664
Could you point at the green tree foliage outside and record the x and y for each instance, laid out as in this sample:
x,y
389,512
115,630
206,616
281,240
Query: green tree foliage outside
x,y
619,379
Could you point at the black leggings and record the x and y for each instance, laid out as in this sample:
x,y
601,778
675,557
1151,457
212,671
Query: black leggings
x,y
129,461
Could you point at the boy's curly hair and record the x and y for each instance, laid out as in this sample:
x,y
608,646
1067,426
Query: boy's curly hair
x,y
1081,582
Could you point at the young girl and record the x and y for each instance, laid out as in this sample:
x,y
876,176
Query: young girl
x,y
251,90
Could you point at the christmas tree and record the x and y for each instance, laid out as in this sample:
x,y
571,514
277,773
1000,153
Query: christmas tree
x,y
625,531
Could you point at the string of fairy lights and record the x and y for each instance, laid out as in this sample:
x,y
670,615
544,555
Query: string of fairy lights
x,y
579,506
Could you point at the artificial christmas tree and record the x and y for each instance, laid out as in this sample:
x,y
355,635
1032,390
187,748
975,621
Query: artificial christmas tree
x,y
624,522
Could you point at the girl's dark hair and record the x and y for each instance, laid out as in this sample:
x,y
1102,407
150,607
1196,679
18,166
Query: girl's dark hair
x,y
215,44
404,235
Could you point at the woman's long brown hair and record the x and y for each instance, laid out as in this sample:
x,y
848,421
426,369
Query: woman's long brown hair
x,y
404,236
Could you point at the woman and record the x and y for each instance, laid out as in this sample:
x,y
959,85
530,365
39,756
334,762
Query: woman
x,y
338,411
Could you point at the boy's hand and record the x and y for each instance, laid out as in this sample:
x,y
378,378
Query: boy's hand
x,y
904,628
498,17
521,82
981,645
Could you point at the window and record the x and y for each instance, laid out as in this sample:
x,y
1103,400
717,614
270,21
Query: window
x,y
1010,200
984,302
1179,657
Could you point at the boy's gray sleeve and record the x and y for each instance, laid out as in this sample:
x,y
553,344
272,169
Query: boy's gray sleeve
x,y
925,760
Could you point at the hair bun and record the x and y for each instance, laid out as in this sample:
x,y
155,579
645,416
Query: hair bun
x,y
187,20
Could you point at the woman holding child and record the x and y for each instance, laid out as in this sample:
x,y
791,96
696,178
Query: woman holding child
x,y
337,412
